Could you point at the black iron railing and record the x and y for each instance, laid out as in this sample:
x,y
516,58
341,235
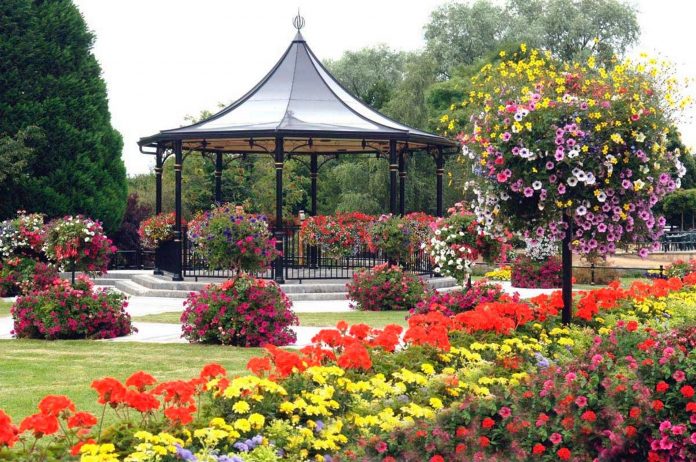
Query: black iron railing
x,y
133,259
302,261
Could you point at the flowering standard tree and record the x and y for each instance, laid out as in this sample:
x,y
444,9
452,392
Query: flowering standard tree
x,y
77,243
574,152
156,229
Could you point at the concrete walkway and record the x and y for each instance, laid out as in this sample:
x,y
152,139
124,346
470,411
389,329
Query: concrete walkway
x,y
151,332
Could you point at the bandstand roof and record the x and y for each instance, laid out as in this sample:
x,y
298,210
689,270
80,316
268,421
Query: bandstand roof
x,y
302,102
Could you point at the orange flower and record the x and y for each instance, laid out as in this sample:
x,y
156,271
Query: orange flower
x,y
110,390
259,366
40,424
82,420
140,380
141,401
54,405
355,356
8,432
182,415
176,391
212,370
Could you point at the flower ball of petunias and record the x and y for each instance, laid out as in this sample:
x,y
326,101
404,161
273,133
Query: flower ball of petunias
x,y
78,243
550,138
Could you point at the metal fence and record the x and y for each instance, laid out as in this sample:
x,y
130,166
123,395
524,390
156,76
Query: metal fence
x,y
302,261
133,259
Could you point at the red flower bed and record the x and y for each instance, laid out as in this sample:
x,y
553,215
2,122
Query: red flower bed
x,y
385,288
458,301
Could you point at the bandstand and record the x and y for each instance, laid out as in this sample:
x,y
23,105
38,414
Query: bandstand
x,y
297,111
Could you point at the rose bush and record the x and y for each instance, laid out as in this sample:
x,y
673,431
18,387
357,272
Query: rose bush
x,y
63,311
385,288
244,311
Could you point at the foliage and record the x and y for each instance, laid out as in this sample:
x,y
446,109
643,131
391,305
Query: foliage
x,y
385,288
244,311
127,237
458,301
546,145
62,311
370,73
536,274
76,243
337,236
679,203
15,154
228,240
50,79
22,275
157,229
458,241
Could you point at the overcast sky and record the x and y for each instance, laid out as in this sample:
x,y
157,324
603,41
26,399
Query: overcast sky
x,y
165,59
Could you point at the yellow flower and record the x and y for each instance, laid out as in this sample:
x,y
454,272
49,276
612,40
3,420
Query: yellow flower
x,y
241,407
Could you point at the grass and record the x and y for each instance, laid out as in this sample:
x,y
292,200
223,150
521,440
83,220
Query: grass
x,y
30,369
373,318
5,308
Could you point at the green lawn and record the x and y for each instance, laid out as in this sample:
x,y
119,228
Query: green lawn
x,y
373,318
5,308
30,369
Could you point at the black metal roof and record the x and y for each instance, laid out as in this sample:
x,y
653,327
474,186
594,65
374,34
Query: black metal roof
x,y
299,100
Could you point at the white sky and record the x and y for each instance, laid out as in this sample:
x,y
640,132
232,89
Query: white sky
x,y
165,59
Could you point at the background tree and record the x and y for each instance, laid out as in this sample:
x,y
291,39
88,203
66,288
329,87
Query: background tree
x,y
15,154
126,237
50,78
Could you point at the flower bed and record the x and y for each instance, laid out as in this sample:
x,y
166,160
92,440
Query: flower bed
x,y
337,236
62,311
22,275
244,311
504,380
76,243
458,301
533,274
385,288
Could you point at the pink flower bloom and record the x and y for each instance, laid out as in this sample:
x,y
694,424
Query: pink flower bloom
x,y
665,425
570,376
505,412
679,376
555,438
581,401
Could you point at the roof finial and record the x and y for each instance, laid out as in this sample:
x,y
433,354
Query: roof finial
x,y
298,22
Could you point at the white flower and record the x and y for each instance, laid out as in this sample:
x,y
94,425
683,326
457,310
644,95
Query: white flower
x,y
573,153
572,181
640,137
536,185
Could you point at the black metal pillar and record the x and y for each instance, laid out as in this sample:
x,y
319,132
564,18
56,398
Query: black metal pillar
x,y
313,175
402,183
567,261
279,234
218,177
393,167
439,172
158,200
178,163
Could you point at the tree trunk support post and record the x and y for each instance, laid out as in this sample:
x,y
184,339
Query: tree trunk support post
x,y
567,260
279,234
439,172
158,199
178,164
402,183
393,168
218,177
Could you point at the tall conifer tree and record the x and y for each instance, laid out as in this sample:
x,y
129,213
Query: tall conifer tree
x,y
50,78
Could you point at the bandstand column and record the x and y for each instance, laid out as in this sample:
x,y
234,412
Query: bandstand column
x,y
158,199
279,234
439,172
218,177
393,167
402,183
313,176
178,163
